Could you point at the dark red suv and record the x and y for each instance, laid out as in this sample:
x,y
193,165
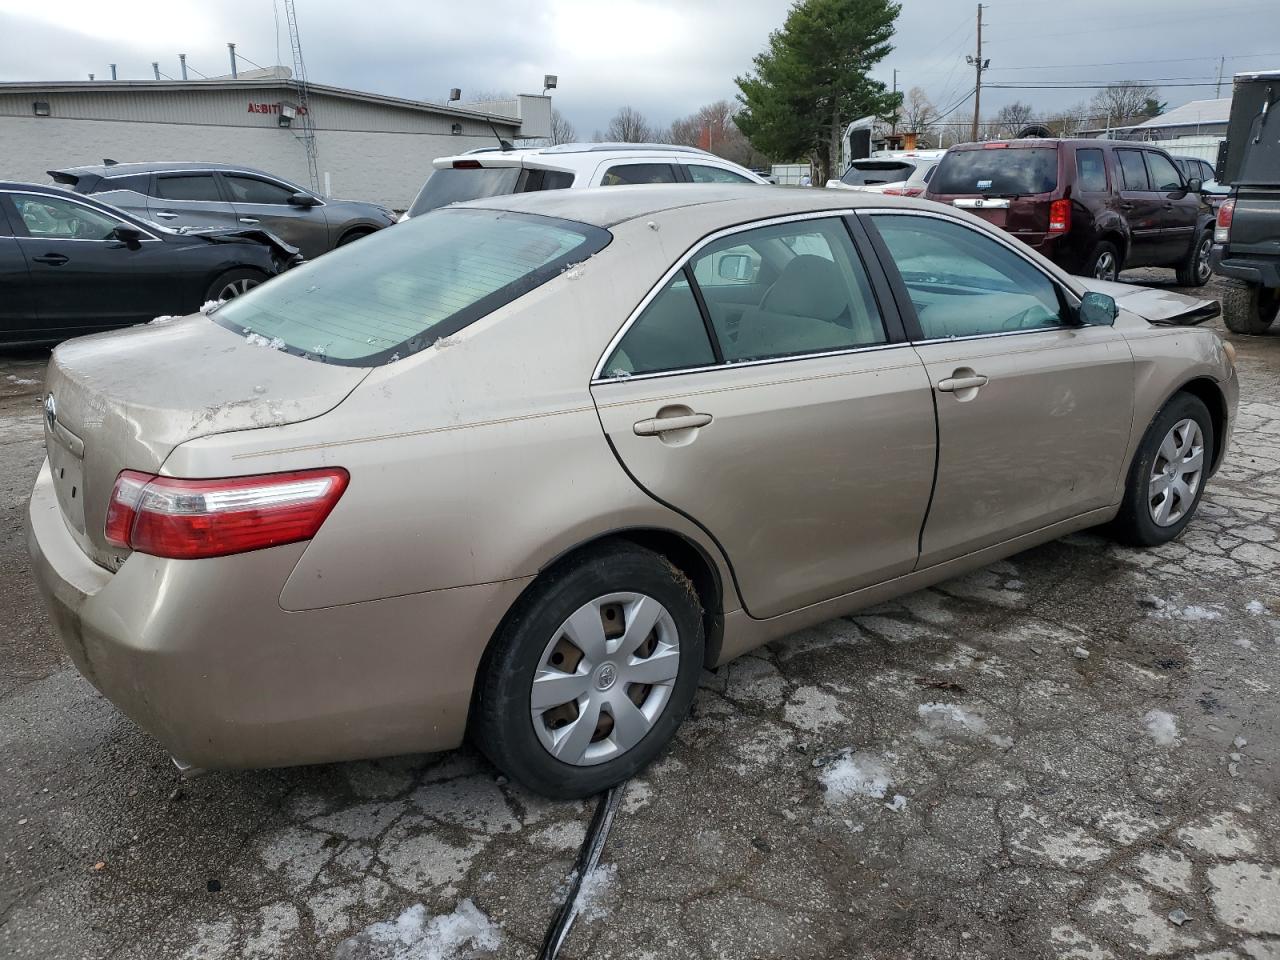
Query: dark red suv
x,y
1094,207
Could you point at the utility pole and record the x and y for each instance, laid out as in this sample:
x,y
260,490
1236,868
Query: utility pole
x,y
1221,66
895,101
978,66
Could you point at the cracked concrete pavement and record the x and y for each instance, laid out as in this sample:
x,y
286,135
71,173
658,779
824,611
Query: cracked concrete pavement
x,y
1074,753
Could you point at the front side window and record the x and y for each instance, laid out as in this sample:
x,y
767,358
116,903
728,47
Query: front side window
x,y
57,219
704,174
965,284
669,335
639,173
253,190
1132,170
398,291
187,187
1164,175
1091,171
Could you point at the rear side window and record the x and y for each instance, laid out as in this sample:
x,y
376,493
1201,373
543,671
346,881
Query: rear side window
x,y
549,180
868,173
1164,175
193,187
398,291
997,171
704,174
1132,170
457,185
669,335
1091,171
639,173
137,182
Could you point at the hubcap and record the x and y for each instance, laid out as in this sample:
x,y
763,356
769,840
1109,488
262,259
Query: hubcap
x,y
604,678
1203,268
1176,472
235,288
1105,267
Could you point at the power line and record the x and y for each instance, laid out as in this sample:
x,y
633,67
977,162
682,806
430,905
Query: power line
x,y
1085,86
1125,63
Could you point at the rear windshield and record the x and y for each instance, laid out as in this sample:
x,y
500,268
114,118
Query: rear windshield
x,y
399,290
866,173
454,186
1000,172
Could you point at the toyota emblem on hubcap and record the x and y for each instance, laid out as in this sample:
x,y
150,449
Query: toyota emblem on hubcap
x,y
606,676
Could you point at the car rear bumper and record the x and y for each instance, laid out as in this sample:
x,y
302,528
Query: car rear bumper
x,y
1264,271
200,654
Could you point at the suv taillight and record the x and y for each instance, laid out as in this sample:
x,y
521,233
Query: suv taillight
x,y
190,519
1060,216
1222,229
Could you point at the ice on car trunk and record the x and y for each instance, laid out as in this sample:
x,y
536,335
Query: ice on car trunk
x,y
125,400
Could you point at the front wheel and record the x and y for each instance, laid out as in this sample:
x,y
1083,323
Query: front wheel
x,y
1167,478
592,673
1248,307
232,284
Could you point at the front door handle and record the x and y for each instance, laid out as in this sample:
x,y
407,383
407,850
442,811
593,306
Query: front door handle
x,y
656,426
53,259
956,384
248,220
166,215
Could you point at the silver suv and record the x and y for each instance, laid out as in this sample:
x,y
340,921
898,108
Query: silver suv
x,y
181,194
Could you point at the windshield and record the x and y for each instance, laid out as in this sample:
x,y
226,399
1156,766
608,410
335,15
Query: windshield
x,y
866,173
453,185
1000,172
399,290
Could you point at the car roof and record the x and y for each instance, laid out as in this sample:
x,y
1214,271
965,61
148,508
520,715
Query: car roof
x,y
583,156
727,203
110,170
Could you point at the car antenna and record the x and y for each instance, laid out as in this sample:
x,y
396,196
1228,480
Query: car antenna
x,y
504,144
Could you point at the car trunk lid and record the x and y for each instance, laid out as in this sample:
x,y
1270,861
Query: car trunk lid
x,y
125,400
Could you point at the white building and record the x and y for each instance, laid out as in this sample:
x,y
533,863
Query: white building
x,y
368,146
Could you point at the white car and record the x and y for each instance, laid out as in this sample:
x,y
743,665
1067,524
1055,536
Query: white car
x,y
901,175
491,172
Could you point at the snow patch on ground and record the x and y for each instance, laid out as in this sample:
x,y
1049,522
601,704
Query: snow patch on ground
x,y
594,889
1164,610
953,718
414,935
1162,727
22,381
898,804
1256,607
857,775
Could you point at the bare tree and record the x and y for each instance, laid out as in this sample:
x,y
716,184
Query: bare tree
x,y
628,126
1123,104
712,128
918,113
1011,119
562,130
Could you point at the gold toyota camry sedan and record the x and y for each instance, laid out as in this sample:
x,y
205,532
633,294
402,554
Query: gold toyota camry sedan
x,y
518,469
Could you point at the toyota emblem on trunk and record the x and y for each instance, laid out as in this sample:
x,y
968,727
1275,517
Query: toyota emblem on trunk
x,y
50,411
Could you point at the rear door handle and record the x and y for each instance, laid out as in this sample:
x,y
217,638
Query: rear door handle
x,y
248,220
166,215
657,426
53,259
953,384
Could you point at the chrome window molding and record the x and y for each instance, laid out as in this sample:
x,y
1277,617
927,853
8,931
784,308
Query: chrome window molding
x,y
103,213
738,364
597,375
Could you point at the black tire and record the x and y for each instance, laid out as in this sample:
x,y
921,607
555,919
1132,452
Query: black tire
x,y
1103,253
241,279
1195,271
502,725
353,236
1135,525
1248,307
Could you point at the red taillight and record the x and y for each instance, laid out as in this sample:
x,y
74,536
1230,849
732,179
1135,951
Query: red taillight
x,y
995,146
467,165
189,519
1222,229
1060,216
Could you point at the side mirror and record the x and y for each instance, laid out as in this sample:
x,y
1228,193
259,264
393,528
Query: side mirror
x,y
1097,310
129,236
1195,184
734,266
303,200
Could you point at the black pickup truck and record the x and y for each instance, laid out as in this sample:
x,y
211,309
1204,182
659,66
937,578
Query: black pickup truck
x,y
1246,247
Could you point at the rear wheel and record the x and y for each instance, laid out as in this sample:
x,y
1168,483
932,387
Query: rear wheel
x,y
1248,307
1167,478
592,673
1196,270
1103,262
233,283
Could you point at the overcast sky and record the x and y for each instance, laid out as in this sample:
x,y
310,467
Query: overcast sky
x,y
665,57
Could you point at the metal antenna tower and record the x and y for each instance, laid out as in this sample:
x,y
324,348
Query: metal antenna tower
x,y
305,129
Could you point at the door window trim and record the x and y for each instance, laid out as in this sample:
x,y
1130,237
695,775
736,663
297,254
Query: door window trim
x,y
25,234
154,186
889,313
1067,296
226,188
